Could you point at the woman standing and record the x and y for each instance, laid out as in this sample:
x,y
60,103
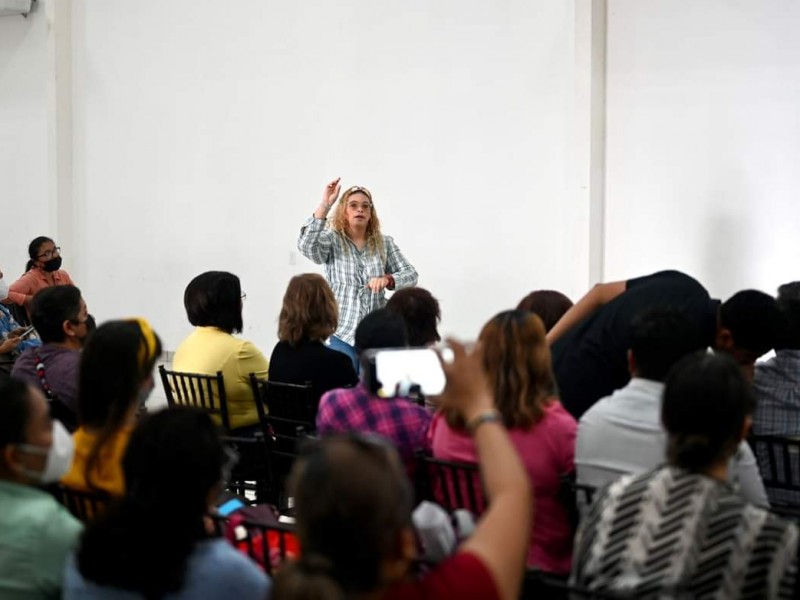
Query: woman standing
x,y
360,262
43,270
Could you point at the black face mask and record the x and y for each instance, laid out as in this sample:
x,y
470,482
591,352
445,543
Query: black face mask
x,y
54,264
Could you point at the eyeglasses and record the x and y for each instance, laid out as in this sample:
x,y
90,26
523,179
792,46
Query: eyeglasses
x,y
365,206
50,253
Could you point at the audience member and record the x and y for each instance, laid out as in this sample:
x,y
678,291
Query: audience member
x,y
680,530
548,304
62,320
591,340
400,420
517,361
214,302
36,533
622,434
354,506
421,312
360,262
115,380
308,317
12,343
42,270
153,543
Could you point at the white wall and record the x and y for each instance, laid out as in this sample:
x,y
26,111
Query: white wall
x,y
203,137
703,142
24,168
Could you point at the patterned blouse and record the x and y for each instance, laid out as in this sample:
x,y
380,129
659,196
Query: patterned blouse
x,y
348,270
672,534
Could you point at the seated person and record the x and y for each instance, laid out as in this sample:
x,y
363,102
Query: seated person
x,y
36,533
622,434
590,342
153,543
517,361
308,317
549,305
62,320
400,420
421,312
680,531
41,271
11,344
213,302
116,377
353,507
777,386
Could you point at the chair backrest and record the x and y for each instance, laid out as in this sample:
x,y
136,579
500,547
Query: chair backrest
x,y
84,506
779,463
252,475
206,392
575,497
452,485
268,545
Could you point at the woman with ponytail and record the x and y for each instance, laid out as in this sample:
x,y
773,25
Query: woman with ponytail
x,y
680,530
153,543
115,378
42,270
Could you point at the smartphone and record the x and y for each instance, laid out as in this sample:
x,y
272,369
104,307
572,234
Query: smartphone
x,y
230,506
403,372
27,332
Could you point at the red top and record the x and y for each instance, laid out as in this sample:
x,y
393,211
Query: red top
x,y
461,576
33,281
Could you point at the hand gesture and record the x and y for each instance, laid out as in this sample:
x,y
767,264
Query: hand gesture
x,y
331,193
9,345
376,284
467,389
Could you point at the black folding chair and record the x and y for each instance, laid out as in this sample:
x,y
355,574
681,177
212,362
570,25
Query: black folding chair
x,y
287,413
452,485
206,392
575,497
84,506
779,463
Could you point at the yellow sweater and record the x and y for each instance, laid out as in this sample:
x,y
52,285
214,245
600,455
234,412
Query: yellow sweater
x,y
107,475
208,350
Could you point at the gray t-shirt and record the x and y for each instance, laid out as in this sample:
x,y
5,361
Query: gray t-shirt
x,y
215,571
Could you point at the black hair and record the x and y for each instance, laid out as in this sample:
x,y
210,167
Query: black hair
x,y
381,328
52,306
110,376
706,401
15,410
421,312
754,320
172,462
214,299
789,304
33,251
660,336
352,500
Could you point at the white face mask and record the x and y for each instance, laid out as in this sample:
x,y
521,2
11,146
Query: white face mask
x,y
3,289
59,456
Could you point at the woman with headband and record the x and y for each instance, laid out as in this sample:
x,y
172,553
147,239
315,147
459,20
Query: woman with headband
x,y
115,380
360,262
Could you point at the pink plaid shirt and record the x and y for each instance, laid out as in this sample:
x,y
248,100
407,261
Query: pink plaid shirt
x,y
400,420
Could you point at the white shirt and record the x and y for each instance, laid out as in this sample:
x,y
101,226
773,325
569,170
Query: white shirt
x,y
622,434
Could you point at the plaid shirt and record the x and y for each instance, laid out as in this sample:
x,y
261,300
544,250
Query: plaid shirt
x,y
400,420
348,270
777,388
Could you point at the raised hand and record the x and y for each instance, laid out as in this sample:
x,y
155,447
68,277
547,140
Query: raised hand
x,y
331,193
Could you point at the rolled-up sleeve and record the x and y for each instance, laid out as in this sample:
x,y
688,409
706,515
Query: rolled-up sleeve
x,y
315,241
397,265
20,290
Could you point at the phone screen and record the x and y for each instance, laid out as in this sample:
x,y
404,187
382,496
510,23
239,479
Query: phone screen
x,y
27,332
395,371
230,506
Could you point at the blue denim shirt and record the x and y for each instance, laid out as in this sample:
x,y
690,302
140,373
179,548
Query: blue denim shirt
x,y
8,324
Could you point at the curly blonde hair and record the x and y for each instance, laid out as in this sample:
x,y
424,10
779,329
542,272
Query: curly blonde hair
x,y
339,221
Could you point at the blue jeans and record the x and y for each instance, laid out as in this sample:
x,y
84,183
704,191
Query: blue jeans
x,y
341,346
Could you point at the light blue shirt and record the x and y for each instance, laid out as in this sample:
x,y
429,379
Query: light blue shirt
x,y
216,571
622,434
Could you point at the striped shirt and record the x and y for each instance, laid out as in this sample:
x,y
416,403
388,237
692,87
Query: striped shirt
x,y
348,271
672,534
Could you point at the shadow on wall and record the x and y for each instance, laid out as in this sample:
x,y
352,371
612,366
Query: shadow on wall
x,y
727,263
13,30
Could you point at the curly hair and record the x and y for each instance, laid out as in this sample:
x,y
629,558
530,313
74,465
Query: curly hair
x,y
309,310
339,221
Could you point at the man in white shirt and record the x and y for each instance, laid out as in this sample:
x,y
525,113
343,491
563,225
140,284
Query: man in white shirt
x,y
622,433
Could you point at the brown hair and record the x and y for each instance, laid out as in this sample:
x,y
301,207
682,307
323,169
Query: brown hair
x,y
516,358
550,305
339,221
309,310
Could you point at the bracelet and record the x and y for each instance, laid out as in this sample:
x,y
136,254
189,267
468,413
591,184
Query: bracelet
x,y
487,416
390,282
